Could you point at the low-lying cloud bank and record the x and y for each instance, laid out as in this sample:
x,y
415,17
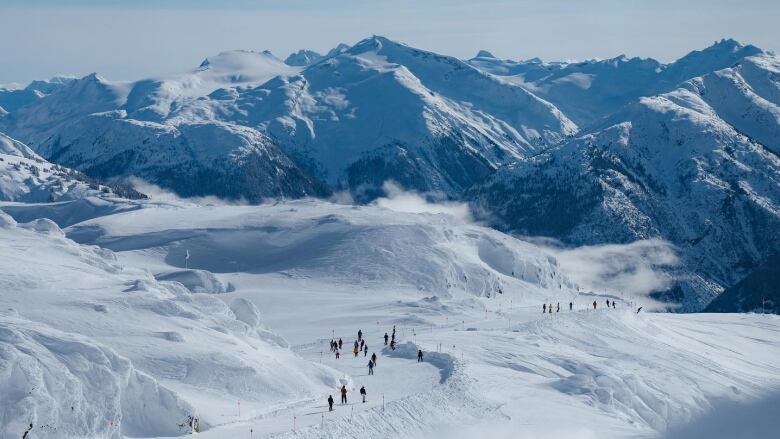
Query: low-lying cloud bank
x,y
635,270
400,200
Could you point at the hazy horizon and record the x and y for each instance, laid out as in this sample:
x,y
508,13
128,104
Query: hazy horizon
x,y
123,41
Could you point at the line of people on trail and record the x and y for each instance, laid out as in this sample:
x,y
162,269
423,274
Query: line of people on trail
x,y
361,345
548,309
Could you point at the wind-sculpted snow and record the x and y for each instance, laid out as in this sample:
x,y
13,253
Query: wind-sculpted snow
x,y
67,386
167,345
366,245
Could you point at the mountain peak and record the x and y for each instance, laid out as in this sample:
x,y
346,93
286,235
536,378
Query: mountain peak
x,y
302,58
484,54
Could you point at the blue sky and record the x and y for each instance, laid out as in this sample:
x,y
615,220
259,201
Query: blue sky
x,y
124,39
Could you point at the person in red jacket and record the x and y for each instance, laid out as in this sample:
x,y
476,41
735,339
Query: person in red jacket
x,y
343,394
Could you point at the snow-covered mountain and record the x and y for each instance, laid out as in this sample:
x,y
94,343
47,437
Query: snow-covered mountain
x,y
757,292
246,125
590,90
302,58
26,177
11,99
698,166
440,124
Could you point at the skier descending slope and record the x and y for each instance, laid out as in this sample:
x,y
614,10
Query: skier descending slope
x,y
343,394
330,403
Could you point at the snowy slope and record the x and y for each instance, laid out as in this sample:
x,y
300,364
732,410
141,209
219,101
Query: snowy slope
x,y
590,90
687,166
504,368
94,348
26,177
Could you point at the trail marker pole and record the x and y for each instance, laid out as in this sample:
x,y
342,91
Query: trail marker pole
x,y
295,418
251,433
351,411
383,402
238,403
320,357
322,424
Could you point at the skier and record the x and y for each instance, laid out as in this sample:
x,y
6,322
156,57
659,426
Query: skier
x,y
343,394
331,345
330,403
373,358
558,307
356,344
392,345
607,303
365,350
338,355
594,304
571,305
544,308
360,334
613,305
386,337
363,393
419,355
356,350
340,342
640,309
370,367
362,342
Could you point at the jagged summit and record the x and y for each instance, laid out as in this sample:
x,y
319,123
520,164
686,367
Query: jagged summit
x,y
302,58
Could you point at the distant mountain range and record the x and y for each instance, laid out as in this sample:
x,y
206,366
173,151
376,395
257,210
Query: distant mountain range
x,y
591,152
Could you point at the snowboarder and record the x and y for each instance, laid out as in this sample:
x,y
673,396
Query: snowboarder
x,y
330,403
544,308
571,306
360,334
340,343
338,355
373,358
419,356
370,367
343,394
386,337
594,304
365,350
363,393
640,309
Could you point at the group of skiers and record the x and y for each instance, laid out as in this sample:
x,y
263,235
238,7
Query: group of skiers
x,y
548,309
361,345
